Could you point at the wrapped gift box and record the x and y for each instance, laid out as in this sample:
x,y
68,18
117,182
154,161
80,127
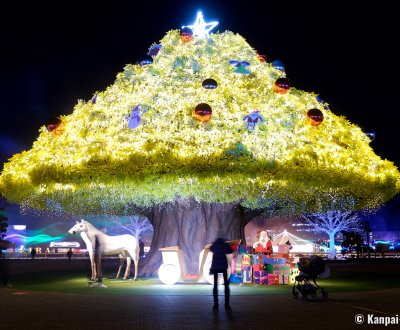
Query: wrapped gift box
x,y
273,279
260,277
235,278
257,258
295,271
274,261
242,249
256,268
270,269
292,277
247,274
236,265
283,278
284,268
246,259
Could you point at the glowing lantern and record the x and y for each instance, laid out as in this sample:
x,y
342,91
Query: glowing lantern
x,y
282,85
315,116
209,84
202,112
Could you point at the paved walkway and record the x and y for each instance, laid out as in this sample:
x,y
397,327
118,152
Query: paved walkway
x,y
50,311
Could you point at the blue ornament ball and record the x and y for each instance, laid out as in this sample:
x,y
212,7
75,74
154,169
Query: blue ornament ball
x,y
277,64
209,83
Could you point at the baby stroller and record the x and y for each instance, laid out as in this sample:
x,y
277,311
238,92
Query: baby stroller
x,y
310,269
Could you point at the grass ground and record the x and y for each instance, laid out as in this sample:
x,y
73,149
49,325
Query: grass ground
x,y
345,277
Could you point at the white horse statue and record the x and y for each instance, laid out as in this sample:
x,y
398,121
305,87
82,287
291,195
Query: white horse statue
x,y
98,243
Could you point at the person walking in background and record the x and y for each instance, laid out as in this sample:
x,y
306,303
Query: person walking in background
x,y
69,254
219,265
141,249
33,253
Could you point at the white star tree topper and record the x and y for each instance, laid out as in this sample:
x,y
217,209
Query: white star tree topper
x,y
200,28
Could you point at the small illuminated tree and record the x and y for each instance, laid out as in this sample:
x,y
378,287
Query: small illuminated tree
x,y
134,225
201,134
331,223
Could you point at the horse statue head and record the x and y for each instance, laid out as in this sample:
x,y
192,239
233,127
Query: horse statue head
x,y
78,227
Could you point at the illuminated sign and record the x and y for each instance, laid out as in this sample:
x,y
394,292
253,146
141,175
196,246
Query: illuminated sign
x,y
19,227
64,244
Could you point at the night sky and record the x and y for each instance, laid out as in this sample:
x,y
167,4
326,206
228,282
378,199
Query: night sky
x,y
55,53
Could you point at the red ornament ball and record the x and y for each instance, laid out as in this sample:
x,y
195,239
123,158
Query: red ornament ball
x,y
315,116
282,85
202,113
186,34
54,126
261,58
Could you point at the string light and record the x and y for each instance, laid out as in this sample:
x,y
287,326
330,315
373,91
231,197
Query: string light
x,y
284,161
200,28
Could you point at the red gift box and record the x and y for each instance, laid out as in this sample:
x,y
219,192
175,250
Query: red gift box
x,y
273,279
256,268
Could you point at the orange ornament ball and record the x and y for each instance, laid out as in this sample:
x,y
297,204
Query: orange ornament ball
x,y
202,113
186,34
282,85
315,117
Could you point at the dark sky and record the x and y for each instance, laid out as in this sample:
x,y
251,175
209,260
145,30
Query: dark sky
x,y
54,53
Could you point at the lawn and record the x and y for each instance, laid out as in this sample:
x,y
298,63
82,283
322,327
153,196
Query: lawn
x,y
346,276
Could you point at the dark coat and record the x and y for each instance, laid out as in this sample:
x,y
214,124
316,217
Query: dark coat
x,y
219,261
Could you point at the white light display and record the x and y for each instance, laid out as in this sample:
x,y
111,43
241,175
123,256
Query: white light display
x,y
19,227
169,274
200,28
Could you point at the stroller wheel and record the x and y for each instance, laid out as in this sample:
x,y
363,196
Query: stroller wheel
x,y
295,295
324,295
312,295
304,296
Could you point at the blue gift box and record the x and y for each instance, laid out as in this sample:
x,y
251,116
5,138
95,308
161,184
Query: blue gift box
x,y
247,274
242,249
235,278
274,261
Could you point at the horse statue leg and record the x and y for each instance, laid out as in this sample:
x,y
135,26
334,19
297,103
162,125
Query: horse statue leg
x,y
121,263
98,270
137,262
128,267
134,253
92,266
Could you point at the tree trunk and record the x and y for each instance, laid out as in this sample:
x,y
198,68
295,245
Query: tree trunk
x,y
332,249
191,226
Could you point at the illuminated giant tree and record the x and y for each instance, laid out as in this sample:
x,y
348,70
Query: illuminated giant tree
x,y
201,134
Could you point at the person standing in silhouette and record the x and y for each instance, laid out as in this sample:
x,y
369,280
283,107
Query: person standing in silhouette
x,y
219,265
33,253
69,254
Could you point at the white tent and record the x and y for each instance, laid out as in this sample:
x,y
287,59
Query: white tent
x,y
298,244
